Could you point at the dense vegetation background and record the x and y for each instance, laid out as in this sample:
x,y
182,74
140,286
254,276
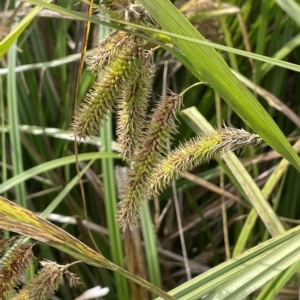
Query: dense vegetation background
x,y
199,222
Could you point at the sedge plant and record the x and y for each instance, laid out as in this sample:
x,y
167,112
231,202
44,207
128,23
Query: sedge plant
x,y
124,71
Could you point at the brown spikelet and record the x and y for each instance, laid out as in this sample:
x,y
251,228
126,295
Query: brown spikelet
x,y
210,28
46,282
191,8
133,106
197,151
128,10
12,265
103,95
6,243
149,152
73,279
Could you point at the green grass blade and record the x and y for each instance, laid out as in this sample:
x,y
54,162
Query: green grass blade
x,y
270,98
59,134
228,41
254,276
266,192
281,54
165,36
56,163
111,208
273,287
16,31
14,134
211,66
245,233
150,246
47,64
60,197
215,277
3,138
291,7
261,36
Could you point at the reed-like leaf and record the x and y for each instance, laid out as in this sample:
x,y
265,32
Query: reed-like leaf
x,y
209,64
20,220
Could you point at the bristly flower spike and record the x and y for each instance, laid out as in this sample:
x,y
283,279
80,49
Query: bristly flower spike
x,y
201,149
107,51
150,149
128,10
149,152
46,282
13,264
104,93
132,108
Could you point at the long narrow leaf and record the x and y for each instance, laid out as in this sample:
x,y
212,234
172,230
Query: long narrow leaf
x,y
164,35
291,7
209,64
14,134
206,282
20,220
111,207
49,166
15,33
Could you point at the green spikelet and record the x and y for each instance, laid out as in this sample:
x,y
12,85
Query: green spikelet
x,y
197,151
150,151
103,95
12,265
106,51
132,108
